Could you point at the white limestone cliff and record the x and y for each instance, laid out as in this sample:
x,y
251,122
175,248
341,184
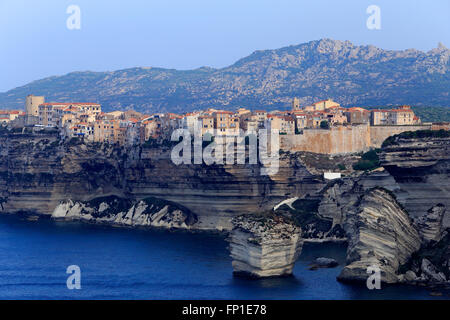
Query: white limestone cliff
x,y
380,234
149,212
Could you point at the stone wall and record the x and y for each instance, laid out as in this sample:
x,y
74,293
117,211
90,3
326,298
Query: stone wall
x,y
380,133
333,141
342,139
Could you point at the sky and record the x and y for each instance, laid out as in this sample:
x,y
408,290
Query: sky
x,y
35,41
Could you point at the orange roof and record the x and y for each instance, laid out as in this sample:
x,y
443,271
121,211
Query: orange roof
x,y
402,110
11,112
223,112
356,109
69,103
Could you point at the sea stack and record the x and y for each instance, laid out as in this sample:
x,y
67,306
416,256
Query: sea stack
x,y
264,246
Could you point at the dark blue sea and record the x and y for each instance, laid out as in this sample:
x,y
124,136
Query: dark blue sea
x,y
119,263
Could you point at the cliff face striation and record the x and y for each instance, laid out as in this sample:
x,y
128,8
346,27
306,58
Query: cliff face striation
x,y
37,172
431,226
380,234
264,246
420,164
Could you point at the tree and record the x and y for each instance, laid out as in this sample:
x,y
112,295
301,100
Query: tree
x,y
324,124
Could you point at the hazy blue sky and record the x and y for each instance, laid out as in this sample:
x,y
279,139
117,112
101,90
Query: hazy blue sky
x,y
185,34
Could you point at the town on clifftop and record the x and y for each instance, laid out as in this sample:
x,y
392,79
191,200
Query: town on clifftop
x,y
323,127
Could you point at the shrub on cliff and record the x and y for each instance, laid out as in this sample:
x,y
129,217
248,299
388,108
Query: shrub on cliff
x,y
304,213
3,129
74,141
369,161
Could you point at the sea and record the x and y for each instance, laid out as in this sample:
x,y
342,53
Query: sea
x,y
125,263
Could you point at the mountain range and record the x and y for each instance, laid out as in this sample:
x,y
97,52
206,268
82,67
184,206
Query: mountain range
x,y
268,79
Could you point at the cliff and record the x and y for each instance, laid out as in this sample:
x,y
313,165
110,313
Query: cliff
x,y
380,233
429,266
420,164
38,171
264,246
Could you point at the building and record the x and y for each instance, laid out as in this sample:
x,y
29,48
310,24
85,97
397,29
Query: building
x,y
189,121
284,124
32,105
7,116
324,104
336,118
52,113
402,115
313,120
261,117
295,104
115,115
206,124
242,111
249,122
379,117
104,130
150,128
132,132
234,125
398,116
222,121
300,120
82,130
357,115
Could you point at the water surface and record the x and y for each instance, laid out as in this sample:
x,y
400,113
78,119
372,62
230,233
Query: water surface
x,y
119,263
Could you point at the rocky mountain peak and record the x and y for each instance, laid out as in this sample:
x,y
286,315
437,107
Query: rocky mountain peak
x,y
441,46
351,74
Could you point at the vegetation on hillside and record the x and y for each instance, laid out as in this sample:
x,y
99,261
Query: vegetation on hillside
x,y
433,114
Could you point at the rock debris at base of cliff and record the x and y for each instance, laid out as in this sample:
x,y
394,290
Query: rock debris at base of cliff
x,y
149,212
